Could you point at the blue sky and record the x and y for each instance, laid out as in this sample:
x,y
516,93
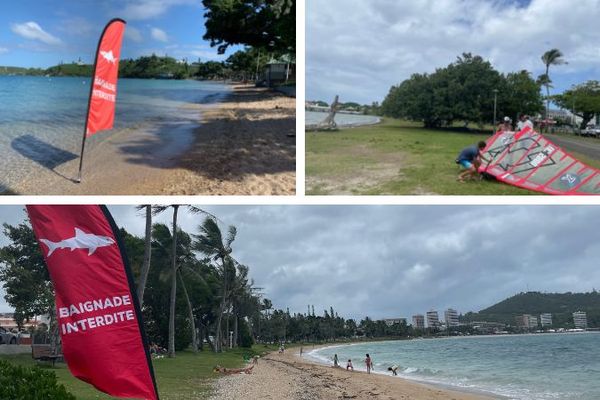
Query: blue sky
x,y
360,53
41,33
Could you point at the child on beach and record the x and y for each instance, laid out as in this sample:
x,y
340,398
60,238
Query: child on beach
x,y
335,360
394,369
349,366
369,363
470,160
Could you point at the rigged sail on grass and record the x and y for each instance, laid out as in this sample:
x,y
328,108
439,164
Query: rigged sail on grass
x,y
528,160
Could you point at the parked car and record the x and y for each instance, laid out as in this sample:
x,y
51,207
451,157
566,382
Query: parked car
x,y
591,130
7,337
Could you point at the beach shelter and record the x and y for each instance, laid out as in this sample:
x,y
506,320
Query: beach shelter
x,y
529,160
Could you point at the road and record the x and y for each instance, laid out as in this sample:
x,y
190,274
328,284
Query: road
x,y
589,147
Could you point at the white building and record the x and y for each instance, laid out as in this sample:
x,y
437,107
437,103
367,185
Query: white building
x,y
451,317
392,321
527,321
433,320
545,319
418,321
580,320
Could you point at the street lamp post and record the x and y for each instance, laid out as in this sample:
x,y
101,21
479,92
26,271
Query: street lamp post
x,y
495,103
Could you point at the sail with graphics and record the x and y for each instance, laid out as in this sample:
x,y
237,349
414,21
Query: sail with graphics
x,y
528,160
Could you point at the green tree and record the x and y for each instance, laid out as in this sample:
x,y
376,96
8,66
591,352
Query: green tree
x,y
585,98
519,94
269,24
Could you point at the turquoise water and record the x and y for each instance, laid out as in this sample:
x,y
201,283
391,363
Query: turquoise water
x,y
315,117
42,118
544,366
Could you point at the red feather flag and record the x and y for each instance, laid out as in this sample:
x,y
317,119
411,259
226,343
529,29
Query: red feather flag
x,y
103,90
98,313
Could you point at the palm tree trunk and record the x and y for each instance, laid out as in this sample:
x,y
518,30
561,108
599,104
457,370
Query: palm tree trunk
x,y
227,334
235,329
147,256
171,352
191,311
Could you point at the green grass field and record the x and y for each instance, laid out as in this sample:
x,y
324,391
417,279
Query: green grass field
x,y
395,158
187,376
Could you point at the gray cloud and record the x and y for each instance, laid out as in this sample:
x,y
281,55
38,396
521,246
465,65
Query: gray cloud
x,y
390,261
358,49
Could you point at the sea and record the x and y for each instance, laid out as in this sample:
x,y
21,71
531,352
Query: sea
x,y
342,120
42,118
523,367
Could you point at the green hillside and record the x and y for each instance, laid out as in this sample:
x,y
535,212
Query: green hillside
x,y
561,305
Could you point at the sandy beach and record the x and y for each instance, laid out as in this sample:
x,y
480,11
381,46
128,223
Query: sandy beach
x,y
288,376
245,145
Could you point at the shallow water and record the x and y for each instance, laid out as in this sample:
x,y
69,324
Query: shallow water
x,y
544,367
42,118
315,117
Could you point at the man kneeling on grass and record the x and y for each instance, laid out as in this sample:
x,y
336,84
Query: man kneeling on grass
x,y
470,160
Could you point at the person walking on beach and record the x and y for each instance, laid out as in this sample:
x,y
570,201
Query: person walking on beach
x,y
335,361
349,365
300,351
394,369
369,363
470,160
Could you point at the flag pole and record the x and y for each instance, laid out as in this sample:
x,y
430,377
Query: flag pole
x,y
87,114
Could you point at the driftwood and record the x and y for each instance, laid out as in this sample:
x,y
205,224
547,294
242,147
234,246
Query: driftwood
x,y
329,122
231,371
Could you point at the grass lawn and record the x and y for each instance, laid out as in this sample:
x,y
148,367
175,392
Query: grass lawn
x,y
395,158
187,376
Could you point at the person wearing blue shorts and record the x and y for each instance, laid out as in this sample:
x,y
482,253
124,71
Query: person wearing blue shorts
x,y
470,160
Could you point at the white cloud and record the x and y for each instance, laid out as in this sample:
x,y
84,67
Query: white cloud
x,y
77,26
3,50
31,30
133,34
375,44
148,9
159,34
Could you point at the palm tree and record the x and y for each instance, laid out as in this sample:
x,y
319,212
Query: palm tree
x,y
147,253
155,211
551,57
210,241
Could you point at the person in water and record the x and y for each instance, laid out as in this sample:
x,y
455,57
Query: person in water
x,y
394,370
470,160
369,363
335,361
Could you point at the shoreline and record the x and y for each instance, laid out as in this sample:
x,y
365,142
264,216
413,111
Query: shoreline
x,y
238,145
289,376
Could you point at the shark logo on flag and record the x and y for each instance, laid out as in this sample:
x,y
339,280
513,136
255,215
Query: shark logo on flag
x,y
81,240
108,56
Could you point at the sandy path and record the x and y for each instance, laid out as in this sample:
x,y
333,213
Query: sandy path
x,y
245,146
290,377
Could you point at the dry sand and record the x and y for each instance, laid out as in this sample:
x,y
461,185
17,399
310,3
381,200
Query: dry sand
x,y
287,376
245,145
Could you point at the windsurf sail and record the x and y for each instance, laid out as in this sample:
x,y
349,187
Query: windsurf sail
x,y
103,89
529,160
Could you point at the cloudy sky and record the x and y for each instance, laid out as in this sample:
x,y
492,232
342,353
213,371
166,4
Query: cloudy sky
x,y
395,261
41,33
358,48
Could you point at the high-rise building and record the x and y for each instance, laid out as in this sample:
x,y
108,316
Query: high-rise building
x,y
545,319
418,321
451,317
433,320
580,319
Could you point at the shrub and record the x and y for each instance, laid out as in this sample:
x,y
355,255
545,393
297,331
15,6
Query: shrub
x,y
23,383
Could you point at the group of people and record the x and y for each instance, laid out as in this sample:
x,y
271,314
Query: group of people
x,y
368,363
470,157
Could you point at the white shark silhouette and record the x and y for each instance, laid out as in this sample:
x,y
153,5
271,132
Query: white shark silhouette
x,y
81,240
108,56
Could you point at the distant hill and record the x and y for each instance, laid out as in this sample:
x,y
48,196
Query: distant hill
x,y
561,305
20,71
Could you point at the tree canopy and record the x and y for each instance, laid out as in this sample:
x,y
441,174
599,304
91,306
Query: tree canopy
x,y
462,91
585,98
268,24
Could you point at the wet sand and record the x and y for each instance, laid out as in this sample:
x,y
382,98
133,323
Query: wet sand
x,y
288,376
245,145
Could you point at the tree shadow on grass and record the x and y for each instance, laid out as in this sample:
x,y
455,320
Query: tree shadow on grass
x,y
43,153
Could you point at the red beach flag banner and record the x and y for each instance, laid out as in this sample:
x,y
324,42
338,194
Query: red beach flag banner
x,y
98,313
103,90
